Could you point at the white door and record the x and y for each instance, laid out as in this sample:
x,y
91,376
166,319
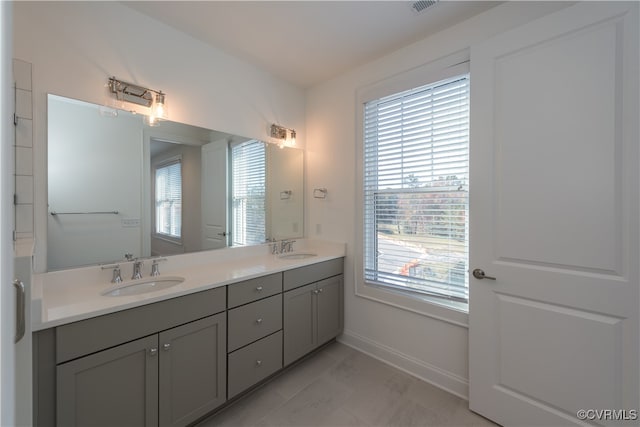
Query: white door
x,y
554,218
214,195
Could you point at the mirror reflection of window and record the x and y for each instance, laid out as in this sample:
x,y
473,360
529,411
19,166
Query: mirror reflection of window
x,y
248,188
168,198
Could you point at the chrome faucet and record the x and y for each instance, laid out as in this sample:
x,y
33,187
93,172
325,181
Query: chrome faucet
x,y
137,269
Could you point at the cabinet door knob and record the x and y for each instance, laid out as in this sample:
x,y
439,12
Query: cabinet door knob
x,y
320,290
258,362
153,351
259,288
166,347
315,292
259,321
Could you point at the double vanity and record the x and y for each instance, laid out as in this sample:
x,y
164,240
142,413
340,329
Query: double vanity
x,y
178,346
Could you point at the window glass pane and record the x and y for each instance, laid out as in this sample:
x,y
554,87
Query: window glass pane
x,y
416,177
169,199
248,164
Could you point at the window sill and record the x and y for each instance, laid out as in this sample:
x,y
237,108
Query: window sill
x,y
454,312
168,239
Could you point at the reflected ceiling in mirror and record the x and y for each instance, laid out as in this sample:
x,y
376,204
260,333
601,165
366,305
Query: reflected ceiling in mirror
x,y
117,186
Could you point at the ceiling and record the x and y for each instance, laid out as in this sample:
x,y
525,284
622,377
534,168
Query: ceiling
x,y
308,42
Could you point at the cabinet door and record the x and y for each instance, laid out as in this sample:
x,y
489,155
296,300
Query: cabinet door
x,y
299,322
330,309
114,387
192,370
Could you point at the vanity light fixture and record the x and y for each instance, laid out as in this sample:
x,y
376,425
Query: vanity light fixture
x,y
131,92
287,135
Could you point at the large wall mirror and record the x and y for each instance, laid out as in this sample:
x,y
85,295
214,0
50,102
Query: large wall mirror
x,y
118,186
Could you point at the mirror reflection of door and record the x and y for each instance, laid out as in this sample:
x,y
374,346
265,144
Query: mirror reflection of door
x,y
214,195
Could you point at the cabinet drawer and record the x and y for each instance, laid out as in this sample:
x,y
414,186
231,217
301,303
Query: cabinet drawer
x,y
254,289
254,362
312,273
91,335
253,321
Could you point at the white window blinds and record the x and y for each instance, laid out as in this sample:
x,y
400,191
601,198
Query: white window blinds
x,y
416,175
169,199
248,165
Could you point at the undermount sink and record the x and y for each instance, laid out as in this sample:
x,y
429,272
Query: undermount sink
x,y
143,286
297,255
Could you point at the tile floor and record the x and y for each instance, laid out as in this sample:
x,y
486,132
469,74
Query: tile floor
x,y
339,386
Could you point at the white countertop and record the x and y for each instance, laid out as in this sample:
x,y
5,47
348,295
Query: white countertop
x,y
66,296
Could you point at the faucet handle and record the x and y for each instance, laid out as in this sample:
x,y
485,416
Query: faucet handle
x,y
155,270
117,275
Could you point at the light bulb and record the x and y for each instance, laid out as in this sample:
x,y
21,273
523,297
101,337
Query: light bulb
x,y
159,108
293,137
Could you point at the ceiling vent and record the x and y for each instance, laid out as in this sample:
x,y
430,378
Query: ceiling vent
x,y
422,5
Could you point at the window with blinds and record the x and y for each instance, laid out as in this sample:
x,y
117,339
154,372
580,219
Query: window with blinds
x,y
248,166
169,199
416,176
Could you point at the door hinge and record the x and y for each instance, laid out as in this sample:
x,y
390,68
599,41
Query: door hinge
x,y
15,198
15,236
15,119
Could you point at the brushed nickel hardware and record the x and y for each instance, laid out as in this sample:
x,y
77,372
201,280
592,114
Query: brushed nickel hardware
x,y
54,213
259,289
259,321
155,269
258,362
479,274
117,275
20,309
166,347
153,351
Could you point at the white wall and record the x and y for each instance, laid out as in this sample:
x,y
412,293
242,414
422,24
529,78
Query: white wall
x,y
285,172
75,46
431,348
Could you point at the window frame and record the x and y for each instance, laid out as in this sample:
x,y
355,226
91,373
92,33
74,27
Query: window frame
x,y
164,164
450,311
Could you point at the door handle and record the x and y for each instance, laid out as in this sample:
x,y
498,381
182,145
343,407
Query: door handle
x,y
479,274
223,234
20,309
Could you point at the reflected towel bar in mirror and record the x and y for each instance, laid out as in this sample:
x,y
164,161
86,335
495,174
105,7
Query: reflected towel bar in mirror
x,y
54,213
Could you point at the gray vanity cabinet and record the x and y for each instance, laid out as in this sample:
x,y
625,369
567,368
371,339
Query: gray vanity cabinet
x,y
313,313
168,379
192,370
114,387
255,331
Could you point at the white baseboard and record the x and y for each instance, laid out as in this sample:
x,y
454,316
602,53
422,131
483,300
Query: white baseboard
x,y
438,377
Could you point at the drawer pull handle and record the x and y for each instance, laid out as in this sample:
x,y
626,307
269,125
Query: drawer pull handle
x,y
259,321
166,347
316,292
153,351
258,362
259,288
